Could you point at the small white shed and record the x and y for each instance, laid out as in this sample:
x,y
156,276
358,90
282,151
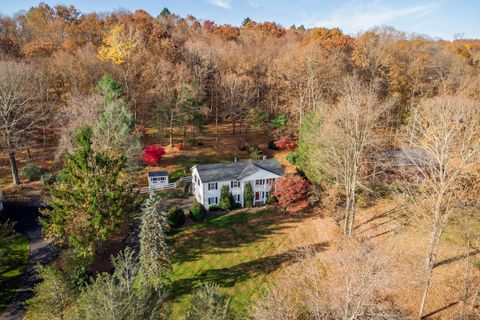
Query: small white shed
x,y
158,179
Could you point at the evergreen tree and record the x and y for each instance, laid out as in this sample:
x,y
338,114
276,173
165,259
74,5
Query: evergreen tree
x,y
91,199
118,296
154,251
208,303
165,12
226,199
246,21
109,88
112,132
52,295
248,196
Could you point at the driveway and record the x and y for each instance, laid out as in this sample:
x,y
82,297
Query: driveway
x,y
40,252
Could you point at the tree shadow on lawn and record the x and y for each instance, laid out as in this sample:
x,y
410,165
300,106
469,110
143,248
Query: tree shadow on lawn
x,y
228,277
230,231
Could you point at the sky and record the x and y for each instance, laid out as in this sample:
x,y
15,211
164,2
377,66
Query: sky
x,y
446,19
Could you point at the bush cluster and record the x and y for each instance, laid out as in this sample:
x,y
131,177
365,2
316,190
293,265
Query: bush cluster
x,y
286,143
214,208
198,212
32,172
175,175
176,217
255,152
226,199
293,157
271,200
47,178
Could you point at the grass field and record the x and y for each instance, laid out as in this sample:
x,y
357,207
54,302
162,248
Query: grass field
x,y
239,251
13,261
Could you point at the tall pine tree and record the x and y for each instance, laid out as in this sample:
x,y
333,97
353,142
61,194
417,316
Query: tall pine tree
x,y
91,199
113,131
154,251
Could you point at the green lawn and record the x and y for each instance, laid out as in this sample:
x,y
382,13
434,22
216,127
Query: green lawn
x,y
239,251
13,262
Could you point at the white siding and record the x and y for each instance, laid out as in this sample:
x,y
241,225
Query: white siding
x,y
201,192
158,182
213,193
197,187
261,190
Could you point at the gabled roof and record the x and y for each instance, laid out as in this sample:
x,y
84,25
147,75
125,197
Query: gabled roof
x,y
237,170
157,174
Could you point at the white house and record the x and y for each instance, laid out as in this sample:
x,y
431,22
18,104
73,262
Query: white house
x,y
157,179
208,179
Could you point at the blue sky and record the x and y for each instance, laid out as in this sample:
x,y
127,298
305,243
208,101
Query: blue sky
x,y
437,18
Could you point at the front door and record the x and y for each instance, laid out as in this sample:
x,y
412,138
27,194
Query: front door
x,y
257,195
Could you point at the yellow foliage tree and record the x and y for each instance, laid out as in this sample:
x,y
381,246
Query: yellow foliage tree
x,y
123,46
119,45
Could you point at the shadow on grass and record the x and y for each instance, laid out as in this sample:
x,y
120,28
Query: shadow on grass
x,y
13,261
456,258
440,310
228,277
223,234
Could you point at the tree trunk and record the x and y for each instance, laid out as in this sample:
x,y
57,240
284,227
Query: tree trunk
x,y
352,215
13,166
170,131
44,139
431,253
352,204
184,135
216,126
29,154
347,214
428,279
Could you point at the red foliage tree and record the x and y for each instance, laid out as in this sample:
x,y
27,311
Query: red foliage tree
x,y
152,154
292,193
285,143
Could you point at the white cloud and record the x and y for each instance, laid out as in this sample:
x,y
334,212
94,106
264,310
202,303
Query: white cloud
x,y
225,4
357,16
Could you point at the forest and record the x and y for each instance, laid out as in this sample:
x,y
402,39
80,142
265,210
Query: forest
x,y
379,133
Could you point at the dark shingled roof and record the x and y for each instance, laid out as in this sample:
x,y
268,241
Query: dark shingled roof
x,y
158,174
405,157
237,170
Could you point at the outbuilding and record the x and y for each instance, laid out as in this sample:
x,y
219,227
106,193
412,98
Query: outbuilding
x,y
158,180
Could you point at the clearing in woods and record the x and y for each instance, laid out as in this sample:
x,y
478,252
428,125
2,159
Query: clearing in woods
x,y
241,251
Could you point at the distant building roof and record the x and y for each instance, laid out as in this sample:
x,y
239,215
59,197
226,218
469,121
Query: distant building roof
x,y
405,157
237,170
157,174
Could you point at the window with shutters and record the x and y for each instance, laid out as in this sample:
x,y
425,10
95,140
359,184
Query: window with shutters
x,y
212,186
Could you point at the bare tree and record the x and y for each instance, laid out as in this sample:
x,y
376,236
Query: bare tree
x,y
342,135
237,95
351,290
447,129
81,110
20,108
